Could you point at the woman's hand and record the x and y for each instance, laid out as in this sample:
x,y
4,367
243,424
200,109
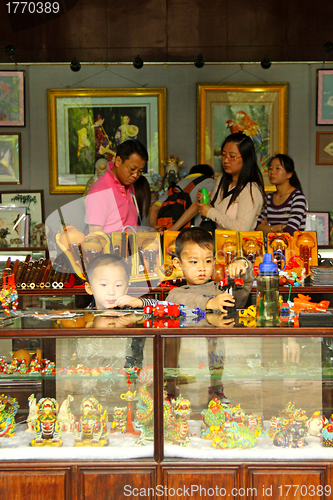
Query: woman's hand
x,y
204,209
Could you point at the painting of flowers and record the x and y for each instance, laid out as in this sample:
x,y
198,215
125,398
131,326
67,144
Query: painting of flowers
x,y
12,99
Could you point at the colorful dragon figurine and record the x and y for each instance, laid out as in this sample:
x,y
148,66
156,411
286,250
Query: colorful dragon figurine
x,y
144,417
176,412
8,410
91,428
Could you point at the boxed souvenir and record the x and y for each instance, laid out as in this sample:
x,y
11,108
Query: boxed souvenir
x,y
226,246
281,245
251,244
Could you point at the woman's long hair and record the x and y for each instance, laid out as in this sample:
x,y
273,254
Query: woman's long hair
x,y
143,195
250,171
289,166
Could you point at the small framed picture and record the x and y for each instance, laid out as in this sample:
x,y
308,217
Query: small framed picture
x,y
319,222
10,159
12,99
324,151
325,97
13,231
34,203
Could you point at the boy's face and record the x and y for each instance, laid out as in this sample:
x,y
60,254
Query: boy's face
x,y
196,262
108,283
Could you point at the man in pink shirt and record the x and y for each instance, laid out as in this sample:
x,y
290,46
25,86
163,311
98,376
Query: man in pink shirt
x,y
110,202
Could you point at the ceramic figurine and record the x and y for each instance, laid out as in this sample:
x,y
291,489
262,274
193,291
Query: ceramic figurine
x,y
144,416
315,424
91,429
327,433
8,410
292,437
176,429
65,415
235,435
33,415
47,427
119,422
213,419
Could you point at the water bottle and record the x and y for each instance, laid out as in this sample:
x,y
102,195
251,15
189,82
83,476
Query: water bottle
x,y
268,306
205,200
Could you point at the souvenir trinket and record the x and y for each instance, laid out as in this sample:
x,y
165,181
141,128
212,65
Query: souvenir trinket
x,y
65,415
8,410
47,427
91,428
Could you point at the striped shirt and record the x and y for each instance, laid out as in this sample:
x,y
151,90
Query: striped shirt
x,y
292,212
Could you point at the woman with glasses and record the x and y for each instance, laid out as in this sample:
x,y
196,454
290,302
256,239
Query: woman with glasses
x,y
285,210
239,193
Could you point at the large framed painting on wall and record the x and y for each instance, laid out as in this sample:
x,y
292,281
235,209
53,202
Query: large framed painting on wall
x,y
87,124
260,111
12,99
325,97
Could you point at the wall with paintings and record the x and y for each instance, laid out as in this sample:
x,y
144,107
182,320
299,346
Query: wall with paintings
x,y
180,82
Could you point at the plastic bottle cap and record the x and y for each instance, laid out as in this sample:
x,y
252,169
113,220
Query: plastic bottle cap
x,y
267,266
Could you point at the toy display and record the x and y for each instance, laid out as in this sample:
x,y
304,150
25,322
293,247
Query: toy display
x,y
91,428
8,410
47,428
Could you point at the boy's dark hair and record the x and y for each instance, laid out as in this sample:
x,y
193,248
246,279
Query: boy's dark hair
x,y
127,148
198,235
105,259
202,168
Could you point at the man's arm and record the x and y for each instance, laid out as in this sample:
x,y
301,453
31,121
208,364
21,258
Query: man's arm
x,y
93,228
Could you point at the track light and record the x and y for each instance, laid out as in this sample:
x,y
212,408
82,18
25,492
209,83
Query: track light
x,y
75,65
138,62
266,63
199,61
10,51
328,47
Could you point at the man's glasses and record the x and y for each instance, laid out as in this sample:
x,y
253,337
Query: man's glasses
x,y
230,157
134,171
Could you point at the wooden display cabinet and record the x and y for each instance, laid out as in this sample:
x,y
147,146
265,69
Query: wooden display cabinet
x,y
171,469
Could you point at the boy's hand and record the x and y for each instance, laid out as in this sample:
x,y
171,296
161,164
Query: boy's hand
x,y
237,267
220,320
127,300
221,300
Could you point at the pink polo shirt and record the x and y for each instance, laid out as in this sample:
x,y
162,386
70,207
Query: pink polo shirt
x,y
110,204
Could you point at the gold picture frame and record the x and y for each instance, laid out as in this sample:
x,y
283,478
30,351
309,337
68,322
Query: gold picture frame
x,y
259,110
85,124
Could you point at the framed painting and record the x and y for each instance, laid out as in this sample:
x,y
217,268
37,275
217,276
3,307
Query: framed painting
x,y
260,111
12,99
319,222
324,150
325,97
13,226
88,124
33,201
10,159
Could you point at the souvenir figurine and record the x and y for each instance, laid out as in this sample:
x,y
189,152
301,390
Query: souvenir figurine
x,y
144,416
33,415
213,419
315,424
292,437
47,427
119,422
327,433
8,410
65,415
176,429
91,429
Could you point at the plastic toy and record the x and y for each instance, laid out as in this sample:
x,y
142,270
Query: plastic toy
x,y
228,284
164,309
91,429
47,428
205,197
8,410
302,303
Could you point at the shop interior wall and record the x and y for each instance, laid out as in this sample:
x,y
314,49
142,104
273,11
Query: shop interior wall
x,y
180,81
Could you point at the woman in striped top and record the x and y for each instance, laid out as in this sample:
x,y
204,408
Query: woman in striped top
x,y
285,210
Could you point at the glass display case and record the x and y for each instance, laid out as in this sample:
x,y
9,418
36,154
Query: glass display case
x,y
131,402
